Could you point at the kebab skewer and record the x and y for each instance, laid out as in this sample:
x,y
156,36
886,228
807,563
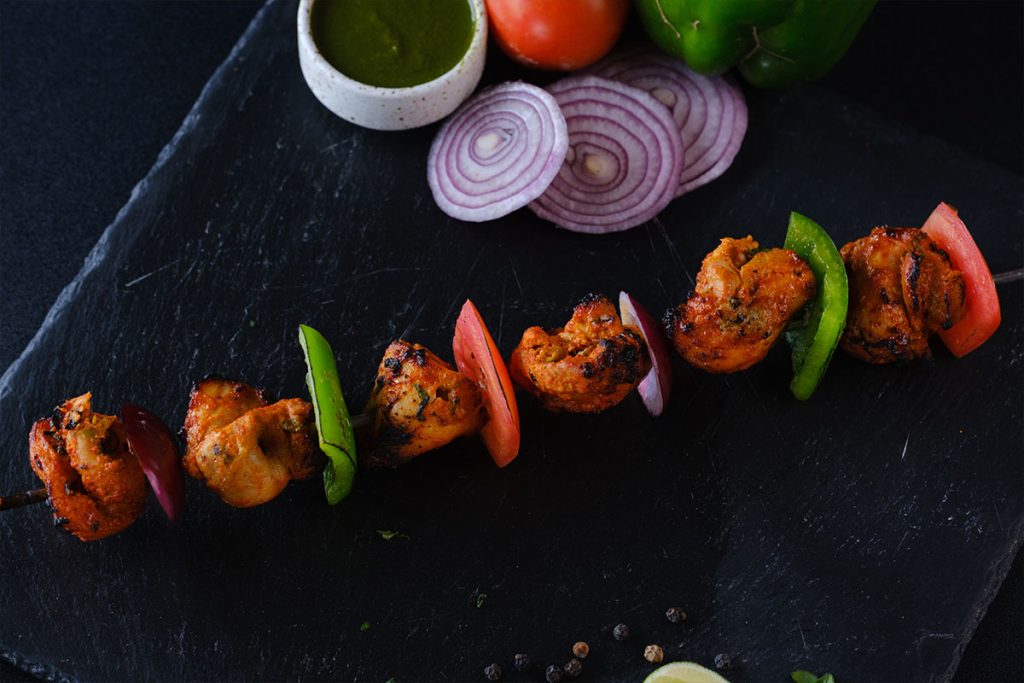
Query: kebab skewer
x,y
744,297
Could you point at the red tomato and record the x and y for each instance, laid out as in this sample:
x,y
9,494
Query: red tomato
x,y
557,34
478,358
983,315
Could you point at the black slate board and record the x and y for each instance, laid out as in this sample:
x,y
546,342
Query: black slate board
x,y
815,535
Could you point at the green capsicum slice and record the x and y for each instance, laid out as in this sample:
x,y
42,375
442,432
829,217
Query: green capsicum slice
x,y
773,43
814,342
333,425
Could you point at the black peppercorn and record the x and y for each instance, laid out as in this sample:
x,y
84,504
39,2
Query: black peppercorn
x,y
620,632
493,672
573,668
723,661
581,650
553,674
675,615
521,661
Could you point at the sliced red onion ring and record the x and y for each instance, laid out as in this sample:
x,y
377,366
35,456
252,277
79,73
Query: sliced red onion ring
x,y
151,442
498,153
710,110
656,386
624,160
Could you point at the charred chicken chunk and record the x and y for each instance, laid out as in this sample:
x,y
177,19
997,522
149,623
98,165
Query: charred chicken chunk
x,y
902,289
244,449
743,299
587,366
94,484
418,403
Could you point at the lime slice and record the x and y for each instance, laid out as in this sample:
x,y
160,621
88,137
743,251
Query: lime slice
x,y
683,672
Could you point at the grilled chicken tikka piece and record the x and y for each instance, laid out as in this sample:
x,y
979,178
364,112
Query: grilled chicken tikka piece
x,y
743,299
94,484
587,366
244,449
418,403
903,288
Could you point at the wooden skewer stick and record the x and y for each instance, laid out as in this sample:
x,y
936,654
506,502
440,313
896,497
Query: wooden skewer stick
x,y
16,500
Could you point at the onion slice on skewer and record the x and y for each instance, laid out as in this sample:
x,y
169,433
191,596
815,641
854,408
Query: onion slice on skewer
x,y
709,110
498,153
656,386
624,160
151,442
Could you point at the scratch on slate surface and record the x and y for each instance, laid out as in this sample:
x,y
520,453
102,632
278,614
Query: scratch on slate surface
x,y
929,635
412,323
501,315
905,444
515,274
132,283
673,251
379,271
999,517
803,638
465,281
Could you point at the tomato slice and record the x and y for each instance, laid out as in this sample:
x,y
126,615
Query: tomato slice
x,y
477,357
983,315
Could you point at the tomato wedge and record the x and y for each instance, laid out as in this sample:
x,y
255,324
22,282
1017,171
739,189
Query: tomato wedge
x,y
983,315
477,357
151,442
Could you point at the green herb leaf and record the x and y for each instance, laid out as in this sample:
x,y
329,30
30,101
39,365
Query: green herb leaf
x,y
801,676
424,400
480,597
365,626
387,534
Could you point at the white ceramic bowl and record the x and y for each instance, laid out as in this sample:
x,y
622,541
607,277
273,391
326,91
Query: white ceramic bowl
x,y
392,108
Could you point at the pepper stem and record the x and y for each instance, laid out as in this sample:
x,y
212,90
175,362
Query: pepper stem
x,y
16,500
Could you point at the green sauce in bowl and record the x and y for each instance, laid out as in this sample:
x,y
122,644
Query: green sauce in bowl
x,y
392,43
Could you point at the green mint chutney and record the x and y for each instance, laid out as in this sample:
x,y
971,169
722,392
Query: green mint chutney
x,y
392,43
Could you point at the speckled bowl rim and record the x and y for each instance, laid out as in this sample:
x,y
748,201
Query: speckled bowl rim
x,y
305,31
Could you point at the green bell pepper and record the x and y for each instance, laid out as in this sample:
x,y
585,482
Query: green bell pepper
x,y
333,425
774,43
814,342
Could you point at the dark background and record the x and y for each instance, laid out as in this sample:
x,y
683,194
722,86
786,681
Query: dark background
x,y
91,91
